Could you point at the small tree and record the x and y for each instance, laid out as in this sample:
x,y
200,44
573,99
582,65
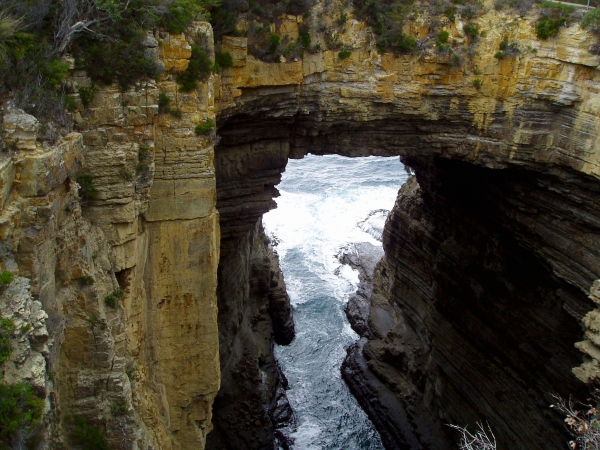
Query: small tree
x,y
7,328
20,412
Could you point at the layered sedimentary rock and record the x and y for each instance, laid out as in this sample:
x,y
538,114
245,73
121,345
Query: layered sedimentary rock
x,y
490,251
116,228
489,262
464,328
254,313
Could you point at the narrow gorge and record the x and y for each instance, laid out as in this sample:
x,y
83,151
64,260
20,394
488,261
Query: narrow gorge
x,y
147,300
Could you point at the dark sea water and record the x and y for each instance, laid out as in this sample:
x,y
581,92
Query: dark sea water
x,y
323,200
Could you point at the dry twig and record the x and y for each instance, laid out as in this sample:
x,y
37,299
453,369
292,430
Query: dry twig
x,y
482,439
582,424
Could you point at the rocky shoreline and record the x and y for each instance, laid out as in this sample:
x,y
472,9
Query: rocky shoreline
x,y
387,413
380,403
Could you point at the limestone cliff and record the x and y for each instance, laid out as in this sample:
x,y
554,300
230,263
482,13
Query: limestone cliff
x,y
490,251
117,230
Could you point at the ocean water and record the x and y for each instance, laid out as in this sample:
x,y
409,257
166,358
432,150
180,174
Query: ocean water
x,y
326,203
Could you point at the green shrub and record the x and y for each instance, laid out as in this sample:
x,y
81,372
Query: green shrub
x,y
118,52
204,127
163,106
274,41
87,190
553,16
387,18
163,103
344,54
119,408
9,29
442,40
70,103
86,279
6,278
478,83
442,37
55,71
305,40
7,328
454,60
180,15
471,30
125,174
87,94
29,70
450,13
199,69
88,436
20,411
405,44
591,20
224,59
289,48
111,299
224,20
225,17
506,49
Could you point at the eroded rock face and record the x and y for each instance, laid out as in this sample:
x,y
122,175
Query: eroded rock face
x,y
474,314
254,313
26,362
124,208
475,307
489,259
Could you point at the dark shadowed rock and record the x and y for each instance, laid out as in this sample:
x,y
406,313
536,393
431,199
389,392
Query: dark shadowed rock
x,y
362,256
251,410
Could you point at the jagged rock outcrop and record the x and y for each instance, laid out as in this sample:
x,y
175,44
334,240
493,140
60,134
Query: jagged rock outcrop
x,y
362,256
29,342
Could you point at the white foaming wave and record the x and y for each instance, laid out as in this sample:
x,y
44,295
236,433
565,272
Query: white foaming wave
x,y
348,274
294,288
318,225
348,331
307,433
374,223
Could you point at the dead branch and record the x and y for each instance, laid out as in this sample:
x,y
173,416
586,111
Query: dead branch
x,y
482,439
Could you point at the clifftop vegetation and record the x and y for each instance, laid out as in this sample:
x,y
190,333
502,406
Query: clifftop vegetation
x,y
106,37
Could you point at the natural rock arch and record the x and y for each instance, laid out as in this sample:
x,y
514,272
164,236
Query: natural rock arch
x,y
486,281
